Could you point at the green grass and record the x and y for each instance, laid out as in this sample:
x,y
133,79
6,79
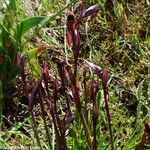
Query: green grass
x,y
118,38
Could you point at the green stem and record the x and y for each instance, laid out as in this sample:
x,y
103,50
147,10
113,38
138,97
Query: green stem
x,y
33,123
86,130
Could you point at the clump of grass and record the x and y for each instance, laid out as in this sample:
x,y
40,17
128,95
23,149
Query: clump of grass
x,y
72,107
12,32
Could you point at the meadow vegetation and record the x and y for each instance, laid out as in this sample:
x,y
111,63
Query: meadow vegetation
x,y
75,74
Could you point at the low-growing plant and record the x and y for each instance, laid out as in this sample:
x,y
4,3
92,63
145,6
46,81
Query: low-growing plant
x,y
12,32
12,50
69,81
74,103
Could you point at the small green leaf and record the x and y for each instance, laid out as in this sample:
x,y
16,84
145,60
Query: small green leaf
x,y
148,41
12,5
35,67
119,10
31,53
27,24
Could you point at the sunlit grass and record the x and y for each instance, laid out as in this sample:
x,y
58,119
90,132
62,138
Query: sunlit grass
x,y
118,38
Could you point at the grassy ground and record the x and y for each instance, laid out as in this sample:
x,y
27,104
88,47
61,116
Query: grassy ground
x,y
117,38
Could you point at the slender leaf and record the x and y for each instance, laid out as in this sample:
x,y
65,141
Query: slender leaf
x,y
1,98
12,5
27,24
